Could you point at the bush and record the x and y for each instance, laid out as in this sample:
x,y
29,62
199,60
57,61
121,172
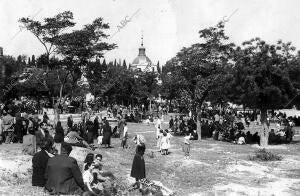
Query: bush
x,y
263,155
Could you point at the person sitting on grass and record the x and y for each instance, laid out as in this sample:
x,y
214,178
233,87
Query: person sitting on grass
x,y
43,133
98,158
272,137
74,139
289,133
95,180
39,163
62,174
241,140
248,138
256,138
194,135
88,161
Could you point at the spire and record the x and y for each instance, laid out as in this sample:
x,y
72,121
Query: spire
x,y
142,48
142,39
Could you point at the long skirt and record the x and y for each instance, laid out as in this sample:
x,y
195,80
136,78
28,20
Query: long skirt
x,y
90,137
106,139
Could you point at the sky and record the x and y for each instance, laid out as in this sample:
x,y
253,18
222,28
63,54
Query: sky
x,y
166,25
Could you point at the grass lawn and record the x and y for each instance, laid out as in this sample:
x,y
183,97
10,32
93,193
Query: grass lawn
x,y
214,168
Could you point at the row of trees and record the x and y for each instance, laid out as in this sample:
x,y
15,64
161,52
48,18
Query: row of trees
x,y
256,74
71,54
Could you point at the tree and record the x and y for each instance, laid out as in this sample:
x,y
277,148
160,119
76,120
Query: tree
x,y
76,48
8,78
104,63
146,88
171,82
49,31
201,67
29,61
124,64
115,63
33,60
19,59
260,79
158,68
82,46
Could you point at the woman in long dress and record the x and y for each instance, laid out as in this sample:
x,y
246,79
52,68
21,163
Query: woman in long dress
x,y
138,170
106,134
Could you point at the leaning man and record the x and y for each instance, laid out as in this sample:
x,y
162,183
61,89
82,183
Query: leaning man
x,y
62,174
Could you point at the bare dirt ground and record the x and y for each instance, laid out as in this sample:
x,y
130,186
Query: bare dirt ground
x,y
214,168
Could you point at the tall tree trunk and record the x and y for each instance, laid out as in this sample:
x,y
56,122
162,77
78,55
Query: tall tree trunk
x,y
56,106
264,132
198,113
170,105
150,106
198,105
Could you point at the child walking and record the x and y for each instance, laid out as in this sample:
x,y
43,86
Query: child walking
x,y
186,146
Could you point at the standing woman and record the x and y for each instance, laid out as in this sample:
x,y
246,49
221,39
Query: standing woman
x,y
138,166
106,134
90,131
96,127
59,133
18,128
70,122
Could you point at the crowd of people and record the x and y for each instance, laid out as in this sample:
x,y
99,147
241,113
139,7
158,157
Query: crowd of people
x,y
60,174
235,127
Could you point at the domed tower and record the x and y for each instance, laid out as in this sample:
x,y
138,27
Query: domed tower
x,y
142,62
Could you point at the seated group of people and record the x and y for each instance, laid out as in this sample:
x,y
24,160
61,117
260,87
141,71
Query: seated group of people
x,y
283,136
242,138
182,126
95,180
60,174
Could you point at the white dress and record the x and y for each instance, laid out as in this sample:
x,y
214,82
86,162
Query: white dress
x,y
164,143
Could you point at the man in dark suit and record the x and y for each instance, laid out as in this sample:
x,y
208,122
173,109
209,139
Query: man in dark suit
x,y
39,163
63,175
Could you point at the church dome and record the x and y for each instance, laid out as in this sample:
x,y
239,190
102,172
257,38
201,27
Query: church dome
x,y
142,58
142,62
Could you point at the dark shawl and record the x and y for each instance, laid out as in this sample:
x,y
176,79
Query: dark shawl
x,y
39,163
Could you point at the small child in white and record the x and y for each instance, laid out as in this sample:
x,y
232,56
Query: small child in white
x,y
164,144
186,146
